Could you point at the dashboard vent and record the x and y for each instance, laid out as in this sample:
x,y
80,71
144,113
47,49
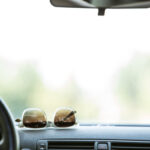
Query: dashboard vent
x,y
129,146
71,145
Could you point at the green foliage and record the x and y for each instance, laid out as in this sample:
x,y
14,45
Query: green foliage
x,y
133,86
21,86
17,85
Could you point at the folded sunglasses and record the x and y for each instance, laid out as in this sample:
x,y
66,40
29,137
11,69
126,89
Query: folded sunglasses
x,y
36,118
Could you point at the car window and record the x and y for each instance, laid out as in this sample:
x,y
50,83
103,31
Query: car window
x,y
100,66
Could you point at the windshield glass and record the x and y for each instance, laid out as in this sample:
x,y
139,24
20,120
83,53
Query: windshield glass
x,y
99,66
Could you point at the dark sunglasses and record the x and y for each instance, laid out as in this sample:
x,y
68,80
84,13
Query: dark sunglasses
x,y
64,117
36,118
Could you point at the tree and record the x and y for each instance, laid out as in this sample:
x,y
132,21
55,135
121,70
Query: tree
x,y
17,83
133,86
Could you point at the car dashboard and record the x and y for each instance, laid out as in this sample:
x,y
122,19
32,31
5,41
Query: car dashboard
x,y
86,137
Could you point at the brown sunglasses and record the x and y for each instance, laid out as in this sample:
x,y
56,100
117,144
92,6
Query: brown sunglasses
x,y
64,117
36,118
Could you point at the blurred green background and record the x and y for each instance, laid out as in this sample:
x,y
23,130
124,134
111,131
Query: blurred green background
x,y
22,86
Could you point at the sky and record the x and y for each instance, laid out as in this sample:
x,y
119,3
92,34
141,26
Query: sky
x,y
77,43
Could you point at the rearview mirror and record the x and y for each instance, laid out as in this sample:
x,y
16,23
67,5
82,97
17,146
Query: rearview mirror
x,y
101,4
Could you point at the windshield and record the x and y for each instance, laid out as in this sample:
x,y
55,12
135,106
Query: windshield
x,y
99,66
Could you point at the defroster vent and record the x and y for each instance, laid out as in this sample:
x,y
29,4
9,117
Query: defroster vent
x,y
130,146
70,145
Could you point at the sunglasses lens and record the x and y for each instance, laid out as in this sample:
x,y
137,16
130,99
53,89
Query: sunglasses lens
x,y
34,118
65,118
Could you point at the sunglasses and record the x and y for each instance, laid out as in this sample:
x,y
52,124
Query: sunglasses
x,y
36,118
